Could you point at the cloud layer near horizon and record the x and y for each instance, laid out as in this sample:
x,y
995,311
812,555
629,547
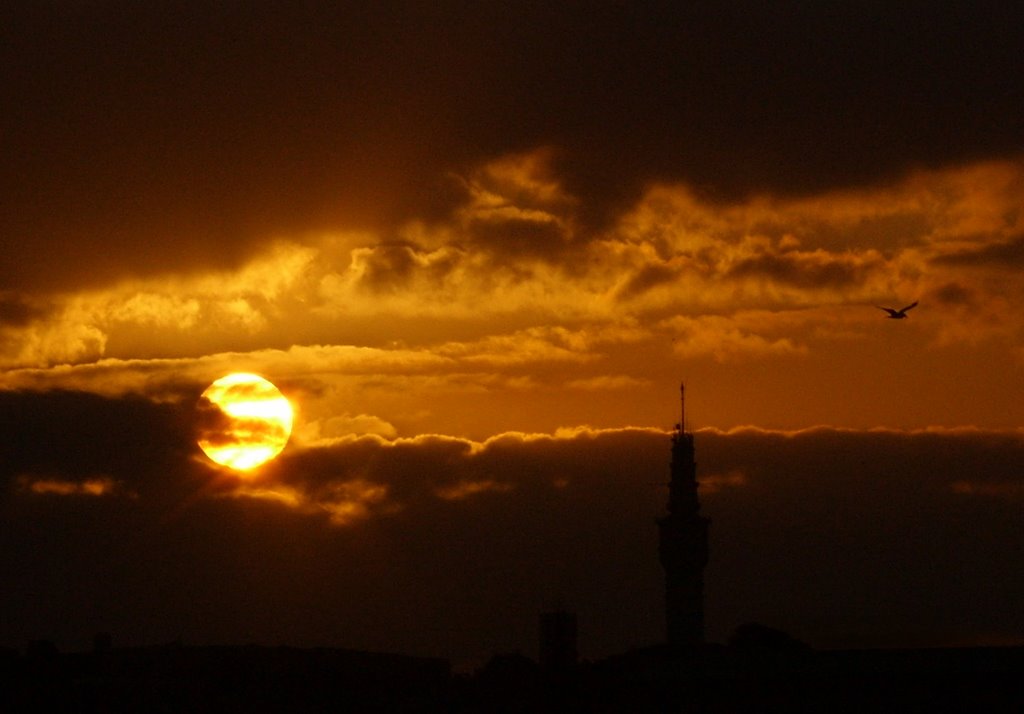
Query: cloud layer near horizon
x,y
438,545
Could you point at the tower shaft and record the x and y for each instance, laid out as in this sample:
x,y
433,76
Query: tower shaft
x,y
683,545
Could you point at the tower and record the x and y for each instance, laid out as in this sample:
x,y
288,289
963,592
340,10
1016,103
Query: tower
x,y
683,542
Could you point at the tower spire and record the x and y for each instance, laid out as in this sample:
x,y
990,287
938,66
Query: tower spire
x,y
682,407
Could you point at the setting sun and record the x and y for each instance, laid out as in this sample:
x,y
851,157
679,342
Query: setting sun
x,y
244,421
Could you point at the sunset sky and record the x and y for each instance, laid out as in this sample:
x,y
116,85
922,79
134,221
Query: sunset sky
x,y
478,248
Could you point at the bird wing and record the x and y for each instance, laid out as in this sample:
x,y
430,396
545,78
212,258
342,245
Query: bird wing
x,y
887,309
913,304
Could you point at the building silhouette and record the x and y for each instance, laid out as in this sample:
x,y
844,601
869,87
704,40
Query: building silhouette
x,y
557,630
683,543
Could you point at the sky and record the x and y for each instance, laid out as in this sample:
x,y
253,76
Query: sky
x,y
478,249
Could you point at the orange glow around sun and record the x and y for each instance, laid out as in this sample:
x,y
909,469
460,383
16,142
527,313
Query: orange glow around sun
x,y
244,421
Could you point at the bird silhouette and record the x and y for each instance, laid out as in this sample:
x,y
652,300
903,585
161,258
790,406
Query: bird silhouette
x,y
897,314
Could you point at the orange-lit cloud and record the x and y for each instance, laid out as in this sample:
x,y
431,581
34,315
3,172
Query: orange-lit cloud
x,y
670,250
331,429
607,381
712,483
381,322
344,503
1013,490
98,486
465,489
725,340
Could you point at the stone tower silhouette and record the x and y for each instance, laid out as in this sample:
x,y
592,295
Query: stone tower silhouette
x,y
683,543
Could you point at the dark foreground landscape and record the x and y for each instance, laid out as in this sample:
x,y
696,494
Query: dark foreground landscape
x,y
759,671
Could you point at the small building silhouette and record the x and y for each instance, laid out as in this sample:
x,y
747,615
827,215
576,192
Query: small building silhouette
x,y
557,640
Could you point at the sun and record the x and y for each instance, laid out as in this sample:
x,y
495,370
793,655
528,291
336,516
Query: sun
x,y
244,421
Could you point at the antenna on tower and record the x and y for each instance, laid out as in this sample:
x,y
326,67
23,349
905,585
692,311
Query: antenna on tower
x,y
682,407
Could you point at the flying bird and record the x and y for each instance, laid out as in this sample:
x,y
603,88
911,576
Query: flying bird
x,y
897,314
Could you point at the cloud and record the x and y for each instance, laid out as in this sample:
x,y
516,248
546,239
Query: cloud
x,y
169,378
397,540
518,209
812,269
207,307
647,277
465,489
325,431
607,381
99,486
1012,491
75,436
438,282
363,134
402,323
712,483
344,503
1008,254
62,342
955,294
525,347
16,310
402,267
726,339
